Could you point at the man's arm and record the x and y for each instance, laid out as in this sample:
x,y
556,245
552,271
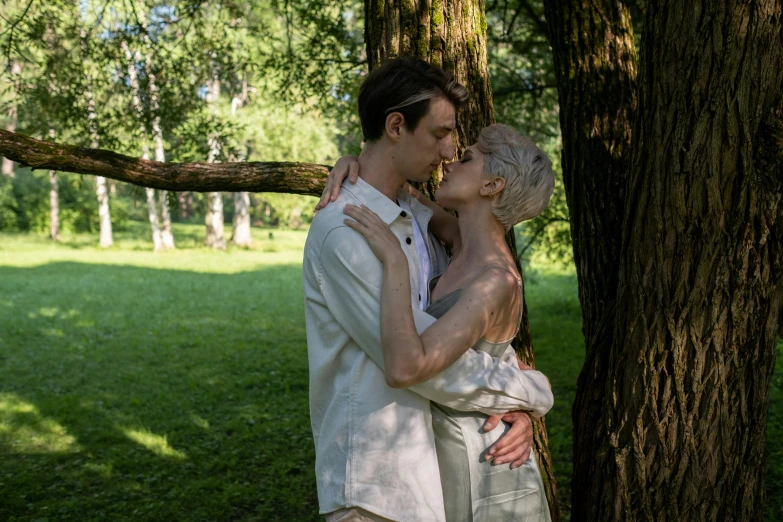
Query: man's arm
x,y
350,281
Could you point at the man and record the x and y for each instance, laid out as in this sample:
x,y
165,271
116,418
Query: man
x,y
375,451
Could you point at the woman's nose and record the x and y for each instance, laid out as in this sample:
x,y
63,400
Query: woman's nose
x,y
447,167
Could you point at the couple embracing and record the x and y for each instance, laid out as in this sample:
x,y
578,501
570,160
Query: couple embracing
x,y
420,409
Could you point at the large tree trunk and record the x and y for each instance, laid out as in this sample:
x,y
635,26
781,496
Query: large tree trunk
x,y
8,165
595,64
681,429
452,34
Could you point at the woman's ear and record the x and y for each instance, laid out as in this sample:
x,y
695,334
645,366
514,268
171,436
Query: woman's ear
x,y
394,124
491,187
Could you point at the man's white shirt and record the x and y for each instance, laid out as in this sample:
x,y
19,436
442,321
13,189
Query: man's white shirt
x,y
374,445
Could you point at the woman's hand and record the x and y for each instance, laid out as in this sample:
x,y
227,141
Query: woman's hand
x,y
346,167
382,240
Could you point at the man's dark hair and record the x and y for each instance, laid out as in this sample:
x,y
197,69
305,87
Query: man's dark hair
x,y
405,85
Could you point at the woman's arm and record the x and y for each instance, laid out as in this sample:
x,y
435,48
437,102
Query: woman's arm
x,y
408,357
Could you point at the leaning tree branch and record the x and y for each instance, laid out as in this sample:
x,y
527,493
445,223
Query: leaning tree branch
x,y
286,177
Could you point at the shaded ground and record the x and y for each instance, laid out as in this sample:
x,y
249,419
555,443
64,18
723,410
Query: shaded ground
x,y
136,386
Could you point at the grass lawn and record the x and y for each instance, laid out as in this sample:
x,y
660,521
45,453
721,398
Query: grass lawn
x,y
136,386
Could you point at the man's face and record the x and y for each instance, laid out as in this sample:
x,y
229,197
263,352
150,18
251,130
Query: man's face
x,y
420,152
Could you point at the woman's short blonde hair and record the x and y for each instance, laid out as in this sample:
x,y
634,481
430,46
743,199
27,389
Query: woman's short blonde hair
x,y
526,169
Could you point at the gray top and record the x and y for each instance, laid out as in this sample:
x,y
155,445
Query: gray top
x,y
440,306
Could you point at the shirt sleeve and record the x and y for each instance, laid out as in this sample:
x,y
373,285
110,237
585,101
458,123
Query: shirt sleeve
x,y
351,277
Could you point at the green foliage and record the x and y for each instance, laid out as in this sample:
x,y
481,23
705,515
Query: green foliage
x,y
26,203
525,97
8,205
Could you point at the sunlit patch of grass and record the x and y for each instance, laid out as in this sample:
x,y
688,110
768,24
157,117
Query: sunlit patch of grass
x,y
24,430
157,444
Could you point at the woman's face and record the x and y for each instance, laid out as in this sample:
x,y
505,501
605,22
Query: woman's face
x,y
462,180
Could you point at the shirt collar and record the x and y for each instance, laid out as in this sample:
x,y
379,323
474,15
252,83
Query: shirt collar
x,y
386,209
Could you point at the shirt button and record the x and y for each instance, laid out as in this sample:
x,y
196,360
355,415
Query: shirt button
x,y
408,240
404,214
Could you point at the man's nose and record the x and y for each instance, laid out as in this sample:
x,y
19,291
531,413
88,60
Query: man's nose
x,y
447,149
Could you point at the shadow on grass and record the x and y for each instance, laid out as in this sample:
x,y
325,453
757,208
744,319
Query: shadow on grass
x,y
131,393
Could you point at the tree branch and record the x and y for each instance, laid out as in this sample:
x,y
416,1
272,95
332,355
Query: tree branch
x,y
285,177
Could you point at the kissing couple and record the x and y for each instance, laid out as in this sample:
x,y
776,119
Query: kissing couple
x,y
420,410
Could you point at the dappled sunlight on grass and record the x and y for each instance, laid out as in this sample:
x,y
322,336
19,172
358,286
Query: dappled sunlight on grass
x,y
157,444
137,386
183,378
24,430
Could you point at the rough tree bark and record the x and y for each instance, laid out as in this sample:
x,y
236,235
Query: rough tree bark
x,y
595,65
157,238
676,409
452,34
8,165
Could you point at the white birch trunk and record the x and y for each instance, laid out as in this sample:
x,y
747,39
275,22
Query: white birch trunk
x,y
152,214
54,202
101,186
54,207
214,218
8,165
157,133
240,234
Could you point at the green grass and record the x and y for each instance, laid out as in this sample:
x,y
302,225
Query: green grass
x,y
136,386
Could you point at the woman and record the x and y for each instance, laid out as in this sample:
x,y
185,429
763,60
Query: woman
x,y
500,181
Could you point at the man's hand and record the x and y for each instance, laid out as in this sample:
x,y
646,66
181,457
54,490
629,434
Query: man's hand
x,y
515,445
346,167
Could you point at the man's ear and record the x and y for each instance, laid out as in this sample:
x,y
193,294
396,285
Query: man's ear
x,y
394,125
